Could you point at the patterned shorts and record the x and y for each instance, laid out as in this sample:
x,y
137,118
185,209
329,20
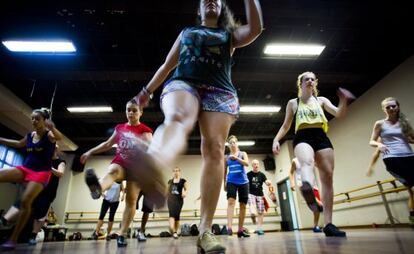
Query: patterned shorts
x,y
256,203
211,98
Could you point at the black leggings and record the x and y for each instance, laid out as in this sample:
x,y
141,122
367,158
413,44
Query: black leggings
x,y
112,209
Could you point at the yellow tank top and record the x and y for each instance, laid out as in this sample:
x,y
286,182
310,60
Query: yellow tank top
x,y
310,115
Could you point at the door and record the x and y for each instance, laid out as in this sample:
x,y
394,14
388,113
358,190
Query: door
x,y
287,206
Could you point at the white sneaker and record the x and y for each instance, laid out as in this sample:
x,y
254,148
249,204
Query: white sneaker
x,y
141,237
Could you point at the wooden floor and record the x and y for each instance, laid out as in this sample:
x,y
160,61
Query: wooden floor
x,y
366,241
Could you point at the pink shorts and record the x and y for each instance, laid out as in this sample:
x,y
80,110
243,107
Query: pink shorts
x,y
34,176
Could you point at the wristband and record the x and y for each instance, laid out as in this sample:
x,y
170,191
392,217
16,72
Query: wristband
x,y
145,90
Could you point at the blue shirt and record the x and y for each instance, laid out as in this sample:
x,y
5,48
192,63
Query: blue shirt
x,y
236,171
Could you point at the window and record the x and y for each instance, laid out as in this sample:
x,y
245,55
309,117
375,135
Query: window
x,y
9,157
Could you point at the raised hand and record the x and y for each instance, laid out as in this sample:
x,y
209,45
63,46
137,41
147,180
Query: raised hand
x,y
276,147
345,94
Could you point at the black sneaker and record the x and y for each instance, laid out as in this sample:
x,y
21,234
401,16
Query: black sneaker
x,y
4,224
94,236
93,183
309,196
331,230
121,241
242,233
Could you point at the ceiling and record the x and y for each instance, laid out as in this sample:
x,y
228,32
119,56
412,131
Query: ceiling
x,y
122,43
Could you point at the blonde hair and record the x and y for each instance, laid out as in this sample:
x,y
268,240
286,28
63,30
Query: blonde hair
x,y
232,137
299,83
406,127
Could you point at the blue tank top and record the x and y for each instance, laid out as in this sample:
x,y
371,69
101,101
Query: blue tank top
x,y
236,172
205,57
39,155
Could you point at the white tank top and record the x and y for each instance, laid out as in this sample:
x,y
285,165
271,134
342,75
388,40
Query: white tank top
x,y
395,140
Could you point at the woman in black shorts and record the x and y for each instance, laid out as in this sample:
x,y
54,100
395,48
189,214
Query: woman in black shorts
x,y
311,143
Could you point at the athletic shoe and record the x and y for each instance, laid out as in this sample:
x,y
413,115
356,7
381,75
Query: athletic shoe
x,y
32,241
94,236
8,245
5,225
208,243
141,237
93,183
317,229
121,241
229,231
242,233
331,230
260,232
309,196
175,235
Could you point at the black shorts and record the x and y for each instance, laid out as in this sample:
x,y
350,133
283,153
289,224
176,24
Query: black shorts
x,y
315,137
401,168
147,206
112,209
242,189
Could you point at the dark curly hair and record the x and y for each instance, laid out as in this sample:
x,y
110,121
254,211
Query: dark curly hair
x,y
226,19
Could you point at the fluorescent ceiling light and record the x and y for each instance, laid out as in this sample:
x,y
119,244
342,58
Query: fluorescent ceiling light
x,y
244,143
40,46
293,49
89,109
259,109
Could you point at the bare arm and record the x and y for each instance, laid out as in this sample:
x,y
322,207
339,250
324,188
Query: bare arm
x,y
245,160
269,185
60,171
292,175
340,111
246,34
332,109
374,160
54,133
375,135
285,126
185,190
13,143
102,147
169,64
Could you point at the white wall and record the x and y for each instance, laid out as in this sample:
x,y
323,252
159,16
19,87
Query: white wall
x,y
8,192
